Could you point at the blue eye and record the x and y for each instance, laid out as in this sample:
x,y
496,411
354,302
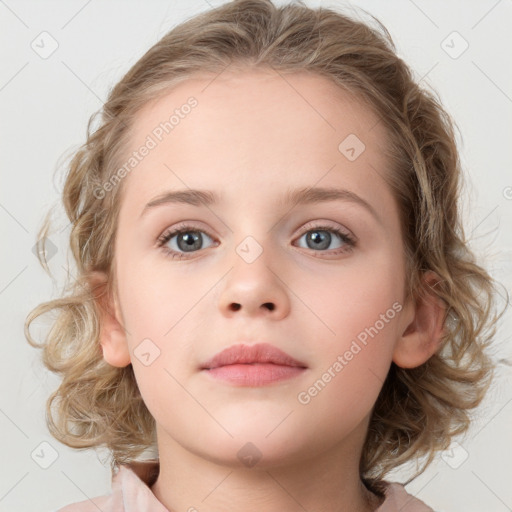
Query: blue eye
x,y
320,239
186,239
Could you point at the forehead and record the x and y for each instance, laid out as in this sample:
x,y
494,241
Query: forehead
x,y
314,103
260,127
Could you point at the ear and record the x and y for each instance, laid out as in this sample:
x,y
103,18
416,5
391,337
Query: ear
x,y
423,327
112,333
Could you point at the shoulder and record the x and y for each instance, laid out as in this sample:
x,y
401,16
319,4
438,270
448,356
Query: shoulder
x,y
103,503
397,498
129,489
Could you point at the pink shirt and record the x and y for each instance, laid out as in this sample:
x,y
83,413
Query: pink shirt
x,y
131,493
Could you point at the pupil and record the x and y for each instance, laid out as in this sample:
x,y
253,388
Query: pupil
x,y
321,239
191,241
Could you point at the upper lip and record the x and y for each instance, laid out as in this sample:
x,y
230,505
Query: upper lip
x,y
247,354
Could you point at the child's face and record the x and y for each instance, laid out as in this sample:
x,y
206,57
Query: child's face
x,y
250,140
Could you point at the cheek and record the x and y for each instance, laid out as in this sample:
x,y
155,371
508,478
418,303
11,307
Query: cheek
x,y
352,365
159,369
359,311
155,300
350,301
342,399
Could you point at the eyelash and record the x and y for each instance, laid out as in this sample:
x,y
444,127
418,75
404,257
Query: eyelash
x,y
347,239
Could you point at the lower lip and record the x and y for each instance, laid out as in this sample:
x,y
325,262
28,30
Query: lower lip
x,y
254,374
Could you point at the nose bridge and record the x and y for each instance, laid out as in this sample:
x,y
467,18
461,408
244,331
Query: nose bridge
x,y
253,238
252,263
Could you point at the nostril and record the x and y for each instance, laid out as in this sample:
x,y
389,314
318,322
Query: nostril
x,y
269,305
235,306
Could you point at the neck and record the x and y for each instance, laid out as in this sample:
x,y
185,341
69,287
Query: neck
x,y
327,482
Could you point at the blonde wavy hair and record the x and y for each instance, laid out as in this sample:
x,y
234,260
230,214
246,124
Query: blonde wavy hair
x,y
418,410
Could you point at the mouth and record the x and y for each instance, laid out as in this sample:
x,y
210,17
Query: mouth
x,y
253,365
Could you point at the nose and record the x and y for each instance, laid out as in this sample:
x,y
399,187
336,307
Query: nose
x,y
254,289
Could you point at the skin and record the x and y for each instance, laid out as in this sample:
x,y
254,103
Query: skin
x,y
253,136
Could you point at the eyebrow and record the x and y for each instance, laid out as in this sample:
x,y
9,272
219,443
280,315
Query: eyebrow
x,y
299,196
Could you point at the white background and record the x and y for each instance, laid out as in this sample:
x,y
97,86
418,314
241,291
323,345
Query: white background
x,y
45,106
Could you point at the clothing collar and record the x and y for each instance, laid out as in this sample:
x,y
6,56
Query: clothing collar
x,y
131,488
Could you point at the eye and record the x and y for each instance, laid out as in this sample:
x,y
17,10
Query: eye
x,y
183,239
186,239
321,238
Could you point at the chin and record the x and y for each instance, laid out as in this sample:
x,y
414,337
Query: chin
x,y
254,448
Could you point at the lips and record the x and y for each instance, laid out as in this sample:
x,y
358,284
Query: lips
x,y
253,366
261,353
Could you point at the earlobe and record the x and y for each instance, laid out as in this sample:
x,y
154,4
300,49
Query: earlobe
x,y
112,333
424,327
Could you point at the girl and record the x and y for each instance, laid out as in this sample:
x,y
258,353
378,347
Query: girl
x,y
273,286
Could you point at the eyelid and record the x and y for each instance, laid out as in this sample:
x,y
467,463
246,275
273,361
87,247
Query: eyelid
x,y
314,224
181,227
347,237
327,224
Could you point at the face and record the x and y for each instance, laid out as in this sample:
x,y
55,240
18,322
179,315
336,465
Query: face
x,y
321,277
